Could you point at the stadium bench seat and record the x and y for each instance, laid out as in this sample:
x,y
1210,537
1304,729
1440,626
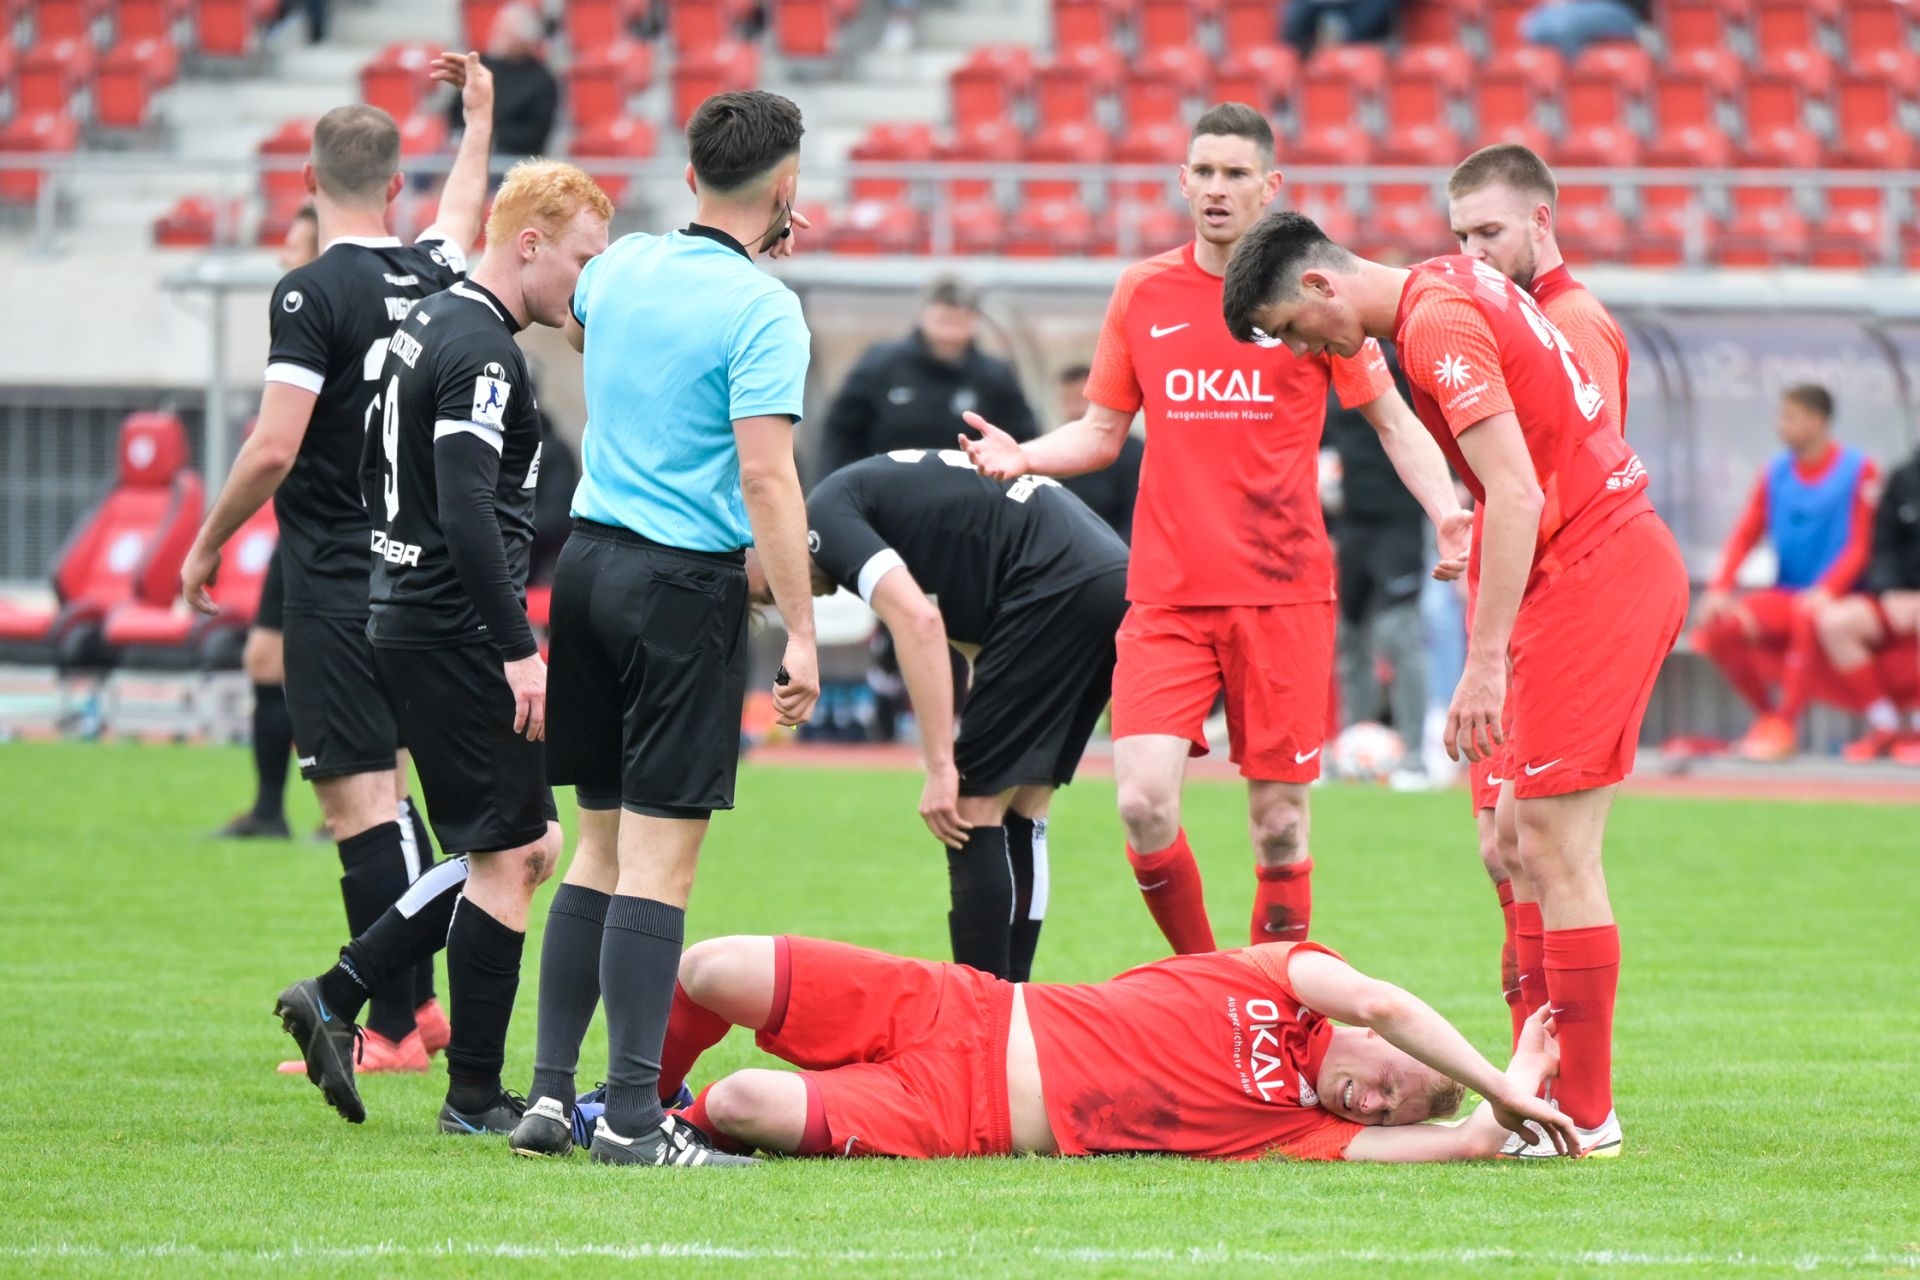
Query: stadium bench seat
x,y
129,76
988,86
1150,145
198,222
603,80
810,28
1158,85
594,24
1427,81
1514,86
51,75
54,133
1341,84
698,75
230,28
399,79
1095,23
1606,83
622,138
132,544
910,143
1245,24
1074,142
884,226
1052,227
1257,74
991,142
697,25
164,634
1163,24
1070,88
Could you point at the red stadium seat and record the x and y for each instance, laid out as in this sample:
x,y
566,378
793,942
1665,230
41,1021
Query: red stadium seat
x,y
1808,70
1162,146
868,227
1420,143
1503,23
399,79
912,143
1698,24
1897,66
697,76
978,227
476,21
1070,88
51,75
130,546
129,76
67,19
230,28
424,134
697,25
1779,25
1782,146
989,142
1673,227
1259,75
1407,229
1332,145
1433,22
1605,83
1693,146
1876,24
988,85
164,633
1869,135
1599,146
1138,229
41,131
1590,230
624,138
1341,83
1427,80
198,222
603,81
594,24
1159,84
1056,227
1245,24
809,28
1531,137
1764,229
1094,23
290,142
1514,85
1163,24
1074,142
1855,231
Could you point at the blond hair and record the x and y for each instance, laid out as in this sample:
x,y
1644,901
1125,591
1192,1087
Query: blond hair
x,y
1443,1096
1504,164
547,194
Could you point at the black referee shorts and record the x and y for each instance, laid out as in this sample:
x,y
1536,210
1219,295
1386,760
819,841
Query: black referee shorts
x,y
1044,676
341,722
647,674
486,786
271,615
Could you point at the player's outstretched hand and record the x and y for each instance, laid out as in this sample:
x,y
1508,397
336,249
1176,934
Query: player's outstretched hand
x,y
940,807
527,677
196,576
1531,1117
785,245
995,455
793,698
465,72
1455,537
1473,721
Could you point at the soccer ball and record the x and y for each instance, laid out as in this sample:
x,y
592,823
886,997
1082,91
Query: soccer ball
x,y
1366,752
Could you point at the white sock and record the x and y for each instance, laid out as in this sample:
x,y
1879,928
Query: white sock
x,y
1883,715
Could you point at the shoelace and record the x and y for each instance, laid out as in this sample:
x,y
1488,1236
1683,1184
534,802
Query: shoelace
x,y
516,1102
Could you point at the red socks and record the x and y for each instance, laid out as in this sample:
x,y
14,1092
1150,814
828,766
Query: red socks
x,y
1726,642
1510,958
1282,902
1583,969
691,1030
1803,649
1528,948
1170,882
696,1115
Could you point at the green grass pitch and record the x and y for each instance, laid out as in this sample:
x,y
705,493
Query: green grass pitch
x,y
1768,1055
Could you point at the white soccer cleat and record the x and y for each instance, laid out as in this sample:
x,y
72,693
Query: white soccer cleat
x,y
1603,1142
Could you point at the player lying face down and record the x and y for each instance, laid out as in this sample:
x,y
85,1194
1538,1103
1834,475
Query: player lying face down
x,y
1227,1055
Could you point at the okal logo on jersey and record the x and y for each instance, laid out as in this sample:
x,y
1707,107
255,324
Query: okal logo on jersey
x,y
490,392
1263,1048
1223,386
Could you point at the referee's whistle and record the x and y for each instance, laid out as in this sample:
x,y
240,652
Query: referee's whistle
x,y
781,676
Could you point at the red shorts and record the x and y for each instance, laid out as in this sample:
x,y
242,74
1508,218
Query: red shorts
x,y
1585,651
1274,662
1485,776
909,1056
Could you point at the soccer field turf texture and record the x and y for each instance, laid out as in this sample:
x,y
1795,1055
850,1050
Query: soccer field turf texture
x,y
1768,1054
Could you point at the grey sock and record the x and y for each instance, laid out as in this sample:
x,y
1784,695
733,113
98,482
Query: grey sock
x,y
569,988
639,965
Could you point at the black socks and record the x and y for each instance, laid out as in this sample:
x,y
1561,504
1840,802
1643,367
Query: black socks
x,y
1027,853
483,973
980,883
272,747
569,989
639,966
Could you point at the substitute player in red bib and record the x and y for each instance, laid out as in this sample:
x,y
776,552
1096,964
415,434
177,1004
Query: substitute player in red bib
x,y
1229,1055
1501,202
1231,579
1582,589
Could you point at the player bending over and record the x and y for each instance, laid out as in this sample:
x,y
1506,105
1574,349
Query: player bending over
x,y
1229,1055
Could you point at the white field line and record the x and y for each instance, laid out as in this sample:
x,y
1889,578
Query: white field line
x,y
702,1251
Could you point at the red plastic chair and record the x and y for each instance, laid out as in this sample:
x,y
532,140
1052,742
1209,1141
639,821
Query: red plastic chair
x,y
1420,143
869,227
1782,146
1599,146
230,28
1780,25
1163,24
1514,85
1673,227
1074,142
1162,144
1332,144
696,25
1069,89
1503,23
54,133
51,74
198,222
993,142
1764,229
1876,24
897,143
1604,84
989,84
594,24
622,138
129,76
292,140
1693,146
979,228
1094,23
1158,86
810,28
477,19
1260,75
1426,81
1139,229
1341,83
1590,230
603,81
1853,233
1055,227
1245,24
722,67
166,634
63,19
399,79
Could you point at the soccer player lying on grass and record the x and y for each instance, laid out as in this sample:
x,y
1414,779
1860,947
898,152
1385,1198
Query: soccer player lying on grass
x,y
1226,1055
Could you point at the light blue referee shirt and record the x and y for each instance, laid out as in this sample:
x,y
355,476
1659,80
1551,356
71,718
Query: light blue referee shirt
x,y
684,336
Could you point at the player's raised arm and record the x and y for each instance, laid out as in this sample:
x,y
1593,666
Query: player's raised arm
x,y
920,634
263,462
464,198
1423,469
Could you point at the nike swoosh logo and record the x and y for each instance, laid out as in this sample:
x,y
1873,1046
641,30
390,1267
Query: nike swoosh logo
x,y
1157,332
1534,773
1149,888
1494,782
326,1015
1302,759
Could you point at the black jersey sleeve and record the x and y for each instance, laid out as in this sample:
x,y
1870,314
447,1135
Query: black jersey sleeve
x,y
843,540
448,259
466,468
299,323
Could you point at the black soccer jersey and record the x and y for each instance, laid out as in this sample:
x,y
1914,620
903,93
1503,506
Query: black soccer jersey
x,y
975,545
449,472
331,320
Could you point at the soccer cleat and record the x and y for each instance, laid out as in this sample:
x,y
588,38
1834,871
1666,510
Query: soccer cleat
x,y
251,826
1771,739
327,1046
679,1101
1602,1142
544,1130
1872,745
502,1118
1907,750
430,1020
675,1142
378,1055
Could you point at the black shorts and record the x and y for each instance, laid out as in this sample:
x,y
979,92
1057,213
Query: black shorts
x,y
1044,675
648,673
1381,565
341,722
271,614
486,786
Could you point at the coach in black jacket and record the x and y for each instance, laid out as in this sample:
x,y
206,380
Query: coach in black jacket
x,y
910,393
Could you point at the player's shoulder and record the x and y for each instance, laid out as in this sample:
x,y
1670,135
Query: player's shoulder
x,y
315,282
1142,272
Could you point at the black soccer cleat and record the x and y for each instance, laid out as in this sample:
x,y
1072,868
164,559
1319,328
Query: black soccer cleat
x,y
543,1130
674,1142
500,1119
326,1041
251,826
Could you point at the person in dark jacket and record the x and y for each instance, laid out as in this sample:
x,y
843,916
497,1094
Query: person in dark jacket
x,y
526,96
910,393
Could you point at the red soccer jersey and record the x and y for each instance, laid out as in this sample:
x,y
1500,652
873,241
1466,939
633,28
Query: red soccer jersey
x,y
1208,1055
1588,325
1229,505
1473,344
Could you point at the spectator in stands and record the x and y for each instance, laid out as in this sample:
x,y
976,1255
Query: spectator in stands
x,y
1112,490
1357,21
897,36
1815,503
302,242
1872,640
318,14
1380,550
1572,25
526,96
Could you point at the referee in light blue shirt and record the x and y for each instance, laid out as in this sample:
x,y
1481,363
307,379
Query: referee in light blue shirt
x,y
696,361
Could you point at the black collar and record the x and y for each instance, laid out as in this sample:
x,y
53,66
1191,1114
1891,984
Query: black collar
x,y
505,312
714,233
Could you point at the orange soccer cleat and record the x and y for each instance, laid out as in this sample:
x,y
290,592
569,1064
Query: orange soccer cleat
x,y
1874,744
376,1055
1772,738
1907,749
431,1021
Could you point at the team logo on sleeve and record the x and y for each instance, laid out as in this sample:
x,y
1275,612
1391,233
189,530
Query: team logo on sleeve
x,y
293,301
490,392
813,542
1451,371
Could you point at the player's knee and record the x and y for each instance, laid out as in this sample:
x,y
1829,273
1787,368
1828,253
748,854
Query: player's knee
x,y
264,658
538,859
1150,814
703,967
1490,854
1280,836
736,1103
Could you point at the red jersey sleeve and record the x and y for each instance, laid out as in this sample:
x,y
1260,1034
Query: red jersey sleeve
x,y
1852,560
1112,383
1448,351
1744,538
1362,378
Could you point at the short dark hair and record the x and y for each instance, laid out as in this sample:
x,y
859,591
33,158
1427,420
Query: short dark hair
x,y
1508,164
1076,373
356,152
1266,265
1235,120
950,290
1812,397
734,138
